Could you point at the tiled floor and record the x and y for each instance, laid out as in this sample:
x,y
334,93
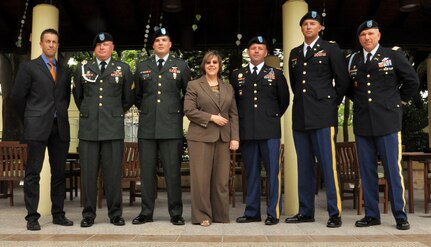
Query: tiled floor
x,y
162,233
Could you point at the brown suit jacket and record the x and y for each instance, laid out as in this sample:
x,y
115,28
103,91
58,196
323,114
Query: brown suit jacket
x,y
200,103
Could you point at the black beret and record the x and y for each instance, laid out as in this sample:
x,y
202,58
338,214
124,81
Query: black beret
x,y
311,15
257,40
367,25
102,37
160,32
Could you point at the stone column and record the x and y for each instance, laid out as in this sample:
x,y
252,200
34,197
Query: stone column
x,y
44,16
293,10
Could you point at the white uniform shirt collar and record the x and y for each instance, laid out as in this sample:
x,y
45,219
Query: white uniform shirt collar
x,y
372,52
259,67
304,49
106,61
165,58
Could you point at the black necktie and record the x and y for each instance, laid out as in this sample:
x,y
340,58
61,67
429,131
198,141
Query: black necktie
x,y
160,63
308,50
102,66
255,71
369,57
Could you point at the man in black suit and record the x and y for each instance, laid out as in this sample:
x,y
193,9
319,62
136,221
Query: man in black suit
x,y
262,97
42,94
318,79
161,85
381,79
103,91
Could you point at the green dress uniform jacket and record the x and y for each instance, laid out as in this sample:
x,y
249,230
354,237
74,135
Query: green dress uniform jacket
x,y
102,99
377,90
261,102
159,98
311,79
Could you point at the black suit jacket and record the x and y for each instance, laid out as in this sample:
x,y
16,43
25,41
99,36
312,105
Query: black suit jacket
x,y
316,97
377,90
261,102
38,98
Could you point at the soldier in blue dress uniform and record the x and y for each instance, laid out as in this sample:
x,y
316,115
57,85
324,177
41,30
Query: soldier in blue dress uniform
x,y
262,98
381,79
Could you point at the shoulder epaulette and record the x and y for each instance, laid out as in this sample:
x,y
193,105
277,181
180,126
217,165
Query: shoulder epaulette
x,y
332,42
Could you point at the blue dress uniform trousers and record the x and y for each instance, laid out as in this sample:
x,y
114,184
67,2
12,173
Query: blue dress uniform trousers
x,y
267,151
320,144
388,147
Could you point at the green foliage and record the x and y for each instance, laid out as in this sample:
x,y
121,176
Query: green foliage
x,y
341,114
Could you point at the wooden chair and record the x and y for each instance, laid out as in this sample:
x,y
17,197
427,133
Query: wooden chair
x,y
235,169
130,172
427,185
347,159
12,168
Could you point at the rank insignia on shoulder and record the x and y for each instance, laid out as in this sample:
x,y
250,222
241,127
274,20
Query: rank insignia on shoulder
x,y
332,42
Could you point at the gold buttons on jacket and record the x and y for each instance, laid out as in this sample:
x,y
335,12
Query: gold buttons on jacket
x,y
370,99
303,81
255,91
160,84
255,85
100,97
255,105
100,89
368,84
255,98
368,75
160,76
304,72
101,81
369,91
304,90
158,92
305,64
158,100
100,104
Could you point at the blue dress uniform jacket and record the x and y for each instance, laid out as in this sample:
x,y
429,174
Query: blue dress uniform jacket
x,y
261,102
159,98
315,97
379,87
102,99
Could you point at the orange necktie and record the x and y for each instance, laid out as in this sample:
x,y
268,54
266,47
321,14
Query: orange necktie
x,y
52,70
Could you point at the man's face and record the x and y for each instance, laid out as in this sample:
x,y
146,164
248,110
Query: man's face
x,y
369,38
310,29
49,45
103,50
257,53
162,45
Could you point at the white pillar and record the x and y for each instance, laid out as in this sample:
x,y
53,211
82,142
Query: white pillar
x,y
293,10
44,16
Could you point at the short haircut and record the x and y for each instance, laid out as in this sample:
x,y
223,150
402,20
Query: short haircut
x,y
208,56
49,30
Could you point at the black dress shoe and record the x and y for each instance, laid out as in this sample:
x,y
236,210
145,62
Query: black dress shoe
x,y
33,225
62,221
334,222
402,224
87,222
118,221
141,219
246,219
271,220
299,218
367,221
177,220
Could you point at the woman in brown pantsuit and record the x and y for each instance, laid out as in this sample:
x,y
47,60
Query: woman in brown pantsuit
x,y
211,108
